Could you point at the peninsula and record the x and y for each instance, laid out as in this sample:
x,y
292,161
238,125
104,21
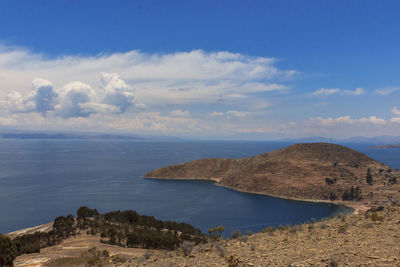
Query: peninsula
x,y
308,171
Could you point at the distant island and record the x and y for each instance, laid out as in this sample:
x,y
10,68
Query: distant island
x,y
387,146
307,171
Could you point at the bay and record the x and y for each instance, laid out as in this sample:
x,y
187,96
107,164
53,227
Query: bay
x,y
42,179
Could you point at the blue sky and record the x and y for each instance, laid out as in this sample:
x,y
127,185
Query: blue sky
x,y
206,69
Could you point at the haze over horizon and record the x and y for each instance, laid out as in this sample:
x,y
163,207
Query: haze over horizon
x,y
207,69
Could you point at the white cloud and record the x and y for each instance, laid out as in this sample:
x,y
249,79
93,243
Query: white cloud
x,y
73,98
230,113
386,90
238,114
395,120
180,113
325,91
373,120
42,98
182,77
261,105
217,114
347,120
117,92
357,91
396,111
99,92
332,91
15,102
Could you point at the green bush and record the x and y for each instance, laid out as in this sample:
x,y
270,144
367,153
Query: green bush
x,y
376,218
216,233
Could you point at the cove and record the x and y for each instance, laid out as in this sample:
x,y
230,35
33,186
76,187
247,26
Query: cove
x,y
42,179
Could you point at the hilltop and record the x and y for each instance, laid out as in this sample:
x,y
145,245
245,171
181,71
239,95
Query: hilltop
x,y
312,171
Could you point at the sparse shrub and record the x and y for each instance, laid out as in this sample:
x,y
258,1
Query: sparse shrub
x,y
236,234
369,177
342,217
311,227
283,227
269,230
144,257
333,263
216,233
376,218
293,230
343,228
105,254
96,257
313,220
187,247
232,260
330,181
252,247
249,232
323,226
243,238
119,258
374,209
220,249
199,249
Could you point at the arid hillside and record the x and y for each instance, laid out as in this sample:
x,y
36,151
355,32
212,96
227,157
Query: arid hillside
x,y
318,171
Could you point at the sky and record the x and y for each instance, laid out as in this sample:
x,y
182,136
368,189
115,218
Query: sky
x,y
257,70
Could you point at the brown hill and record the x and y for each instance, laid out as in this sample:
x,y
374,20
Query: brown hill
x,y
305,171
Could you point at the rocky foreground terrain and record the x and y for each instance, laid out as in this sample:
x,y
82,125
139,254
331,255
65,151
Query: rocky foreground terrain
x,y
364,239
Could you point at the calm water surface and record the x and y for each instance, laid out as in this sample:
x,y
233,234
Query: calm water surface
x,y
41,179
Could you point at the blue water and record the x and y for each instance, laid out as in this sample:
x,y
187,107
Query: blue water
x,y
41,179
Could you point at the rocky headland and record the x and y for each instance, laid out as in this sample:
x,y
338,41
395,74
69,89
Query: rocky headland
x,y
310,171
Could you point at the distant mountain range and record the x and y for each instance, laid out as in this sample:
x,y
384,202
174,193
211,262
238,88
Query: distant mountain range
x,y
383,139
67,136
22,134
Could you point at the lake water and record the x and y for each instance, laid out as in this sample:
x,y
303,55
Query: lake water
x,y
41,179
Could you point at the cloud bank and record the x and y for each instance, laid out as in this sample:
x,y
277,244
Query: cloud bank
x,y
194,93
333,91
133,91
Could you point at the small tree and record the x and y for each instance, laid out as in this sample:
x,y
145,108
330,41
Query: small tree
x,y
369,176
8,252
84,212
216,233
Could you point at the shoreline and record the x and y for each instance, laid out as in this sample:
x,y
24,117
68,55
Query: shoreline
x,y
355,207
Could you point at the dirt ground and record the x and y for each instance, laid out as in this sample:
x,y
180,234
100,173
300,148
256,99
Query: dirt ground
x,y
71,251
